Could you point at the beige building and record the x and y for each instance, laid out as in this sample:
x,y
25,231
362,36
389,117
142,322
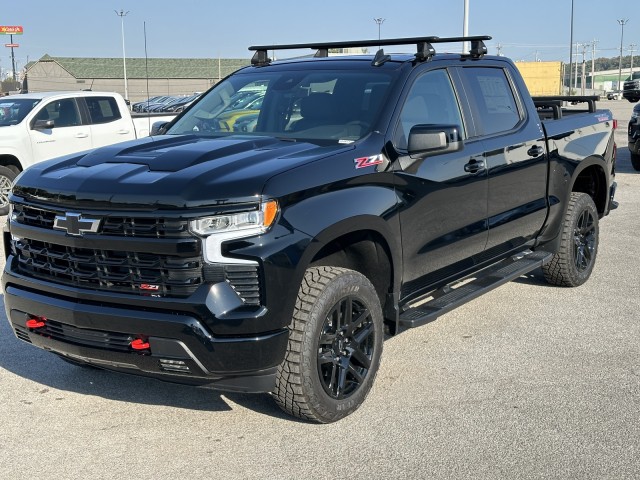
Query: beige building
x,y
145,77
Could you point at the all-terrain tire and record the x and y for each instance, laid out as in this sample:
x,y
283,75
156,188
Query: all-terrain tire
x,y
573,263
635,161
335,343
7,176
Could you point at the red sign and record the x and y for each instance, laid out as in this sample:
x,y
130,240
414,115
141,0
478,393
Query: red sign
x,y
12,45
11,30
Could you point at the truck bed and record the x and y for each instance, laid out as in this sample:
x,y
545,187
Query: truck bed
x,y
555,107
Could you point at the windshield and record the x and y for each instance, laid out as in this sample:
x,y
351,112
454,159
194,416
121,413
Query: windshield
x,y
317,105
13,111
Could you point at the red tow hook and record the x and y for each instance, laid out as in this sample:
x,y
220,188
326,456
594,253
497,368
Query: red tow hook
x,y
35,321
139,344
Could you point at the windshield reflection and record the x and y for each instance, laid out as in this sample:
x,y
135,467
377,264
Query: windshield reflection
x,y
335,106
13,111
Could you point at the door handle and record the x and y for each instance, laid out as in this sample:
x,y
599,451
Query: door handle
x,y
82,135
474,166
123,132
535,151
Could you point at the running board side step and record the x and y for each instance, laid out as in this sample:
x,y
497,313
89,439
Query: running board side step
x,y
449,297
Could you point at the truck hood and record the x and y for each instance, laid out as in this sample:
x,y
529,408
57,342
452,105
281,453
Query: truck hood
x,y
167,172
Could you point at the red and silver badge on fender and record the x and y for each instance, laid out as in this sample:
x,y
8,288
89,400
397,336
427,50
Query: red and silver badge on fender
x,y
364,162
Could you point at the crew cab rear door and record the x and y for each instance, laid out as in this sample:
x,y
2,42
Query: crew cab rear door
x,y
514,152
108,124
444,193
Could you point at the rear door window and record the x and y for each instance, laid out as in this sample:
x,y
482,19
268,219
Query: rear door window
x,y
102,109
496,108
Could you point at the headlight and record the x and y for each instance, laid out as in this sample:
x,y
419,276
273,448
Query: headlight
x,y
245,223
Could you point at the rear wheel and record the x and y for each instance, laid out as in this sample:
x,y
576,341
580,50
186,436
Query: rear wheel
x,y
7,176
572,265
335,343
635,161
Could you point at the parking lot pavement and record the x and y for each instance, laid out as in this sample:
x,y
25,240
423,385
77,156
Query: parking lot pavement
x,y
528,381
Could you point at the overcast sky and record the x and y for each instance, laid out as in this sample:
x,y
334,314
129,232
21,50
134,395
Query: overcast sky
x,y
522,30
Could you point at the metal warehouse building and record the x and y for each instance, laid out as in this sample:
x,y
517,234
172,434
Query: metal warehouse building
x,y
153,76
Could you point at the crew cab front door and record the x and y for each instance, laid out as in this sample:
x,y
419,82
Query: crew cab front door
x,y
68,135
443,196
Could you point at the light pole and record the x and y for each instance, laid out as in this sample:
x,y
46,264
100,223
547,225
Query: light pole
x,y
123,14
465,25
571,49
379,21
622,24
632,48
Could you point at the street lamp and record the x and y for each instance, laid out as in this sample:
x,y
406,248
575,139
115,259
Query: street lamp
x,y
571,50
123,14
632,48
379,21
465,25
622,24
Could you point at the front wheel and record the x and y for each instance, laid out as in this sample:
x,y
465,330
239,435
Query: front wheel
x,y
635,161
335,343
573,263
7,176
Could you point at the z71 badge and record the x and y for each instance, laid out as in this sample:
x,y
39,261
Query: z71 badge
x,y
364,162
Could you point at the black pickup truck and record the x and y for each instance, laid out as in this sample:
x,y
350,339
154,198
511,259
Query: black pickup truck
x,y
271,236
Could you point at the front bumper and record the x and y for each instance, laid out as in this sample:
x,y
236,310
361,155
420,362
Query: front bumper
x,y
180,349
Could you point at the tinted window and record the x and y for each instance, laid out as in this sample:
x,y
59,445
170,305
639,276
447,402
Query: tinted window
x,y
103,109
495,103
431,100
64,113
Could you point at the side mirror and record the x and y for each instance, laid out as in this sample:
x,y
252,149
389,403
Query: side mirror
x,y
158,128
43,124
434,139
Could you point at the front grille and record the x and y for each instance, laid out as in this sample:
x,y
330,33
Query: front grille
x,y
122,226
115,271
131,272
120,271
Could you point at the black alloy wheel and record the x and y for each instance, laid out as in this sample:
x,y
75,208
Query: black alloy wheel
x,y
584,238
345,348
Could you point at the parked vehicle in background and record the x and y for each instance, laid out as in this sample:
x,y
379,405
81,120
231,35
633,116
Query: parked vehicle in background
x,y
137,107
614,95
633,134
179,105
631,90
157,103
368,194
39,126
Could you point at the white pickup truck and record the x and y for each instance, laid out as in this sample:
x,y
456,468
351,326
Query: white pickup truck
x,y
39,126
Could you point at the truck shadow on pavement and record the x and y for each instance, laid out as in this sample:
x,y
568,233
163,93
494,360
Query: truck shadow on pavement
x,y
535,277
50,371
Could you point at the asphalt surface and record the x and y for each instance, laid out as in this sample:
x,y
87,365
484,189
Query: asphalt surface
x,y
528,381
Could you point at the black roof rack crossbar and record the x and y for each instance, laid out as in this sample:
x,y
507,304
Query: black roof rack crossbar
x,y
423,51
